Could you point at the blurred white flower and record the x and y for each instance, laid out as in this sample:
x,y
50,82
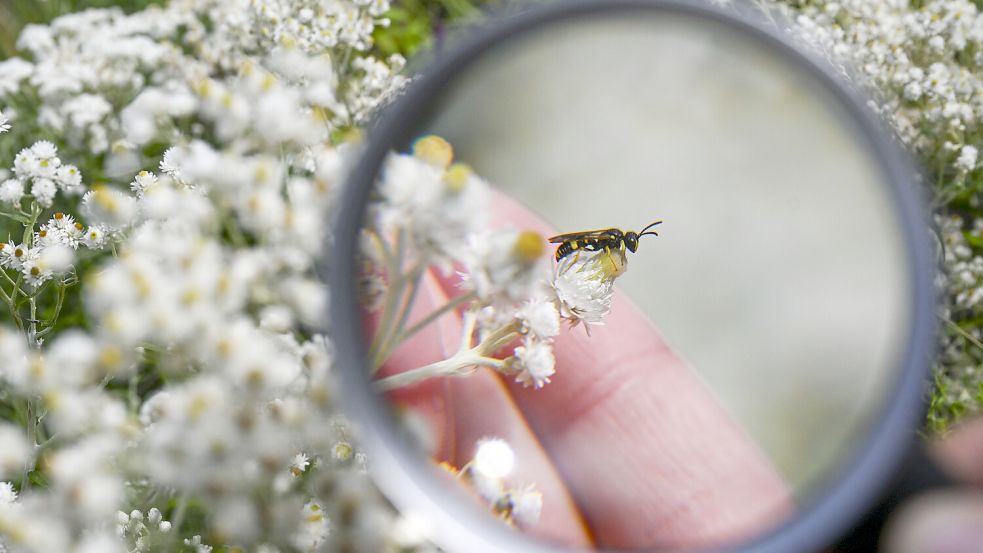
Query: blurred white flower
x,y
15,451
527,505
539,318
11,191
533,364
967,158
7,493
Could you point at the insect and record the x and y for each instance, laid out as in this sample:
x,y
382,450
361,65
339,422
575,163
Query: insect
x,y
596,240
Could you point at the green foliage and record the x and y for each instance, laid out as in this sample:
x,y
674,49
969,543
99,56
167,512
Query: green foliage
x,y
415,23
14,14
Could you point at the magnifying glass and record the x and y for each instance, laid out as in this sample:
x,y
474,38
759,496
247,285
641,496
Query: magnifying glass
x,y
632,275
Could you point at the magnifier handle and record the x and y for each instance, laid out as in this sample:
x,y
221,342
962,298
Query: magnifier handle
x,y
918,474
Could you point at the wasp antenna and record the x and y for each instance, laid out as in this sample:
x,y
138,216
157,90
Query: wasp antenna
x,y
648,227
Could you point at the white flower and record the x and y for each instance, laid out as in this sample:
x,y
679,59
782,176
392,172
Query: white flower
x,y
534,364
15,451
439,205
70,179
493,458
94,237
299,464
44,191
967,158
43,150
170,162
195,542
507,263
56,258
13,255
313,529
86,109
913,91
539,318
109,207
7,494
12,72
142,181
11,191
4,123
527,505
26,164
584,284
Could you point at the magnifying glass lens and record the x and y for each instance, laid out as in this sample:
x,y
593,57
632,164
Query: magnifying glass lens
x,y
637,280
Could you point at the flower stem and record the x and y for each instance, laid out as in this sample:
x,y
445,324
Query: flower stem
x,y
461,364
393,294
389,341
458,365
453,303
959,330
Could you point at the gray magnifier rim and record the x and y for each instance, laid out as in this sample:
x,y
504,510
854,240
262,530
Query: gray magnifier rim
x,y
407,477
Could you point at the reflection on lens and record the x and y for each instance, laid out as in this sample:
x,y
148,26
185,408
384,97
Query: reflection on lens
x,y
654,308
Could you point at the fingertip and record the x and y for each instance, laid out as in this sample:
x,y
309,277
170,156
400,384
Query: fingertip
x,y
959,452
939,522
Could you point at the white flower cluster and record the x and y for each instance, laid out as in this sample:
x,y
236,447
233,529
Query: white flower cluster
x,y
922,66
433,212
196,382
142,532
958,372
40,167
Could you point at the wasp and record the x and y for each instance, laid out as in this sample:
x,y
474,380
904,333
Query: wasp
x,y
602,239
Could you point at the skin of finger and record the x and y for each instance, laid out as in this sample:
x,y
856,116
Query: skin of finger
x,y
960,451
650,455
461,411
939,522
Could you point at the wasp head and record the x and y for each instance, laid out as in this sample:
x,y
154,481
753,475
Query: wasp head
x,y
631,241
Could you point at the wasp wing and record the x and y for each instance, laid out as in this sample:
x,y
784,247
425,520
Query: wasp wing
x,y
599,233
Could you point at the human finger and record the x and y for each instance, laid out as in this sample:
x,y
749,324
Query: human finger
x,y
626,417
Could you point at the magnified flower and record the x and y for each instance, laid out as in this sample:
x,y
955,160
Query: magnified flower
x,y
533,364
584,284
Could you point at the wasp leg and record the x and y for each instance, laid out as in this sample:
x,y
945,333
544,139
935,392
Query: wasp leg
x,y
607,251
576,256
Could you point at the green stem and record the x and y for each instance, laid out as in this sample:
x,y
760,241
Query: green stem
x,y
959,330
32,325
59,302
26,480
177,518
